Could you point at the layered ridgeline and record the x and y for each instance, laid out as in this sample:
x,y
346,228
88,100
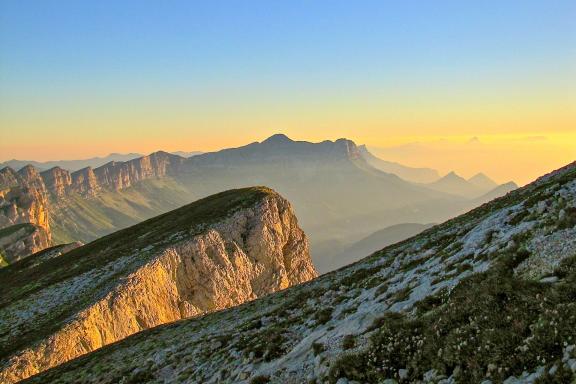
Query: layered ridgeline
x,y
215,253
416,175
339,197
59,206
489,295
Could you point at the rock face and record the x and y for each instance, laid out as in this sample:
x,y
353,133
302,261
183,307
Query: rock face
x,y
28,196
8,178
84,182
23,198
487,296
20,240
215,253
120,175
57,181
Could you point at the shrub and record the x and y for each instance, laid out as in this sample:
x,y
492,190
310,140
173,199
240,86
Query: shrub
x,y
317,348
323,316
348,342
260,379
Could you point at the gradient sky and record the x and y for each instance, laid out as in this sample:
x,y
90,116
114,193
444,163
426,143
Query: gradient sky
x,y
85,78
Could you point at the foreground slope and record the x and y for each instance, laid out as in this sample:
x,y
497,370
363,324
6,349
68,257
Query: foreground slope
x,y
215,253
488,295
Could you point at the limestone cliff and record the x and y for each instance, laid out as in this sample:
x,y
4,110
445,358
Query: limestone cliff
x,y
27,196
23,198
57,181
120,175
212,254
21,240
8,178
84,182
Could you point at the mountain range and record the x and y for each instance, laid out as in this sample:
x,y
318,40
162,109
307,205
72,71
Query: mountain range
x,y
475,187
74,165
339,197
417,175
487,296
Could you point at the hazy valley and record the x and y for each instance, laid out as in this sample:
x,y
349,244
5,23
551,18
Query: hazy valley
x,y
340,192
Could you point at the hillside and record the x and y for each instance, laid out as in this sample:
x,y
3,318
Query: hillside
x,y
488,295
372,243
212,254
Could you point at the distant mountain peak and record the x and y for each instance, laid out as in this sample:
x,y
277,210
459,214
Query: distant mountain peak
x,y
481,180
278,138
453,176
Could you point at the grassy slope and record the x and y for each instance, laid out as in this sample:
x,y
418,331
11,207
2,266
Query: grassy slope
x,y
449,301
28,276
87,219
13,228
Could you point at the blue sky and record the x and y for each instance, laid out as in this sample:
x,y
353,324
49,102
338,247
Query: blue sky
x,y
84,78
273,43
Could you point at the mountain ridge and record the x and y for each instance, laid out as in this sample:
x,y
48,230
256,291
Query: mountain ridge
x,y
417,175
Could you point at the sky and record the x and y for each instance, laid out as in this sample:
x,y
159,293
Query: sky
x,y
86,78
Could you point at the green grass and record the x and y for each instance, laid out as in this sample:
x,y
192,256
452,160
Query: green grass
x,y
14,228
86,219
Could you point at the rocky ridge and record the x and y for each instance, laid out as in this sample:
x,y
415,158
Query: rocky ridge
x,y
215,253
487,296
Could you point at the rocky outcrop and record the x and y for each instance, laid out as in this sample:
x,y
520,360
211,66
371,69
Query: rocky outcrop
x,y
24,216
218,252
89,182
28,196
84,182
21,240
57,181
8,178
26,201
120,175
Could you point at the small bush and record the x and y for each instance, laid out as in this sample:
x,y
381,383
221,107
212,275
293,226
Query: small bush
x,y
402,294
323,316
569,219
348,342
464,267
260,379
317,348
